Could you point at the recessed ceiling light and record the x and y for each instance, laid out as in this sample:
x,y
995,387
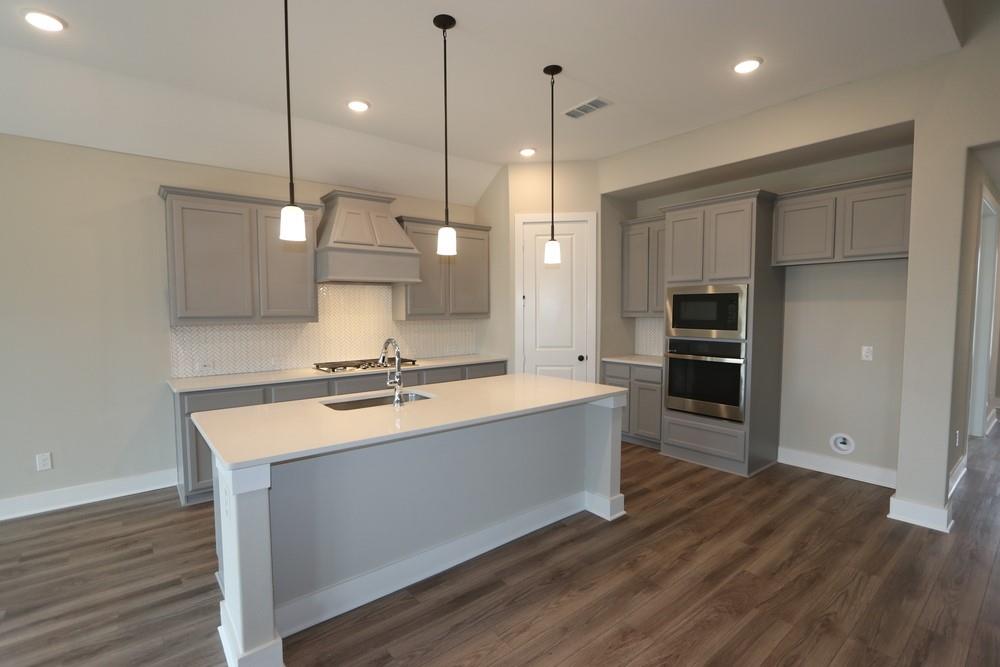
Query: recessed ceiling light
x,y
46,22
747,66
358,106
527,152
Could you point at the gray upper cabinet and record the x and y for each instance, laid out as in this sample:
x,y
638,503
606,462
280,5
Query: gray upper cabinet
x,y
842,223
804,229
729,241
449,287
635,270
877,221
286,268
227,265
686,245
212,245
644,249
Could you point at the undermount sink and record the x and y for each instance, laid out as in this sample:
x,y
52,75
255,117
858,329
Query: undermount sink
x,y
371,402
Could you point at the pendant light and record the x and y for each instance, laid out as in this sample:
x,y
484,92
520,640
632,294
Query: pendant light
x,y
293,218
552,250
447,243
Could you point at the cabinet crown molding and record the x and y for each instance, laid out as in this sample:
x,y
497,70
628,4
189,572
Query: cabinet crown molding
x,y
348,194
860,182
659,217
172,191
403,219
721,199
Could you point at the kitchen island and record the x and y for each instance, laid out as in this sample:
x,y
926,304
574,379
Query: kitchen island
x,y
321,510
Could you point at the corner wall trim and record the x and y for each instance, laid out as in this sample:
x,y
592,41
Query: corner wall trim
x,y
991,421
318,606
909,511
957,473
81,494
862,472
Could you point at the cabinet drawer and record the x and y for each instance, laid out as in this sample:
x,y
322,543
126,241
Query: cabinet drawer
x,y
718,441
360,383
220,400
432,375
486,370
295,391
619,371
647,374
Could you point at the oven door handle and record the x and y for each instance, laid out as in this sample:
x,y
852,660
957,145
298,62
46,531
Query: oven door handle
x,y
695,357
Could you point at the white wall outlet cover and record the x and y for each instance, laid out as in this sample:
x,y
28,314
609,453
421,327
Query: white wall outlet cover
x,y
867,352
43,461
842,443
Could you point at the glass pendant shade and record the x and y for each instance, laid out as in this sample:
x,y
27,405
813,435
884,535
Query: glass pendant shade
x,y
447,242
293,224
552,253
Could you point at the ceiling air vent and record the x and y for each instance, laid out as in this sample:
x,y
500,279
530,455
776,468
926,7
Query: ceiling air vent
x,y
587,107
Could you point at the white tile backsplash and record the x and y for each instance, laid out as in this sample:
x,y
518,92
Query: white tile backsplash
x,y
353,322
649,334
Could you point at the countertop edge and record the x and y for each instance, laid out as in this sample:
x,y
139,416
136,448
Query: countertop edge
x,y
635,360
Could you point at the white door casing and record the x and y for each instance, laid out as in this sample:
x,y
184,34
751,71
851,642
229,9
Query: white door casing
x,y
556,309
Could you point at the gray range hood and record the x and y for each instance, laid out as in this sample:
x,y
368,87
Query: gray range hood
x,y
360,242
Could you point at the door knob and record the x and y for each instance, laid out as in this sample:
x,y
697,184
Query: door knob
x,y
580,358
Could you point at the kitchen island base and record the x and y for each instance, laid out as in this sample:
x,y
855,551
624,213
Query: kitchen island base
x,y
305,540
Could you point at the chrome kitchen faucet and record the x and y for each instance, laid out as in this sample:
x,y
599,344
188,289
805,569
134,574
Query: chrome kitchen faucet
x,y
393,378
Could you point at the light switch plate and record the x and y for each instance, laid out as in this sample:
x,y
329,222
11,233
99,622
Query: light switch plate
x,y
43,461
867,352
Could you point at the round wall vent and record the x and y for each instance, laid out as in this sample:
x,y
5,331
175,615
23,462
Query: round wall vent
x,y
842,443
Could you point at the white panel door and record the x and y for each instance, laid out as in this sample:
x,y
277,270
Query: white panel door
x,y
555,302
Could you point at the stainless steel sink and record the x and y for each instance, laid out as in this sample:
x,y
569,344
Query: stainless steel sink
x,y
407,397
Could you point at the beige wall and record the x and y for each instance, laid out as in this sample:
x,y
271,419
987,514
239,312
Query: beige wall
x,y
830,312
493,209
976,180
616,333
955,103
85,326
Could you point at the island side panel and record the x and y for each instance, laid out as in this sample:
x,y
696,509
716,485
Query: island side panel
x,y
247,631
353,526
604,458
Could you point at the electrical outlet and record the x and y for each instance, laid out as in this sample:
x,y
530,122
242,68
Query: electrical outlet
x,y
204,365
43,461
867,352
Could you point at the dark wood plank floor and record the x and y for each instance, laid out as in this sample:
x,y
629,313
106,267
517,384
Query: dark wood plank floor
x,y
791,567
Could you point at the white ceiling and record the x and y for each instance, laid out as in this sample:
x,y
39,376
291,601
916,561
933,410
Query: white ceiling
x,y
665,65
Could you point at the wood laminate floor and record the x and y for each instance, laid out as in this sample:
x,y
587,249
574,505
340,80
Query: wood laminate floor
x,y
790,567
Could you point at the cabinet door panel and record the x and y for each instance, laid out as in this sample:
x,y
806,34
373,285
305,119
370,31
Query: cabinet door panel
x,y
877,221
469,275
804,229
635,270
296,391
212,247
685,246
645,409
729,241
450,374
657,267
486,370
430,295
286,268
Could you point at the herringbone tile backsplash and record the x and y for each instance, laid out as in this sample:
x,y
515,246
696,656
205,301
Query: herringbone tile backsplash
x,y
353,322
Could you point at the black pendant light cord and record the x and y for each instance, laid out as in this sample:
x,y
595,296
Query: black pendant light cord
x,y
444,39
288,108
552,156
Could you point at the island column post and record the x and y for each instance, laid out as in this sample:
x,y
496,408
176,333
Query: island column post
x,y
604,457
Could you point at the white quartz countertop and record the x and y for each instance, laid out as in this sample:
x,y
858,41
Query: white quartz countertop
x,y
208,382
277,432
635,360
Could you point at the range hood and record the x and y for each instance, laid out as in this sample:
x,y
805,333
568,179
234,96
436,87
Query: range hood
x,y
360,242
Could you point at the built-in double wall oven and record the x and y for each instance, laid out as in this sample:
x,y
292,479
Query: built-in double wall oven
x,y
706,350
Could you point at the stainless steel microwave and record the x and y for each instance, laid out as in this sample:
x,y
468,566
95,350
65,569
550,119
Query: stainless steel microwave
x,y
707,311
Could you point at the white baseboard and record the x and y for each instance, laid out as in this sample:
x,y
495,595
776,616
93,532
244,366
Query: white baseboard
x,y
316,607
956,474
935,518
608,509
71,496
841,467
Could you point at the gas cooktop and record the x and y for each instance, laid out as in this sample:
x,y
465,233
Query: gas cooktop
x,y
359,365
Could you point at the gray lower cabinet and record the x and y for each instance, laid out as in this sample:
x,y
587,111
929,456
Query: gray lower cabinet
x,y
226,264
449,287
701,437
643,415
194,458
644,250
843,223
